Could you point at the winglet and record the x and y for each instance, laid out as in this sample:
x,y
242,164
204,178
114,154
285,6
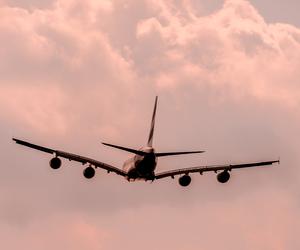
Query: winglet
x,y
150,139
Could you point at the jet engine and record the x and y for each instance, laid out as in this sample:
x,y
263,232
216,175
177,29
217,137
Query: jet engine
x,y
55,163
89,172
185,180
223,177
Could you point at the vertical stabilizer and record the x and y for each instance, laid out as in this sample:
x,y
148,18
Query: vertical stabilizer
x,y
150,139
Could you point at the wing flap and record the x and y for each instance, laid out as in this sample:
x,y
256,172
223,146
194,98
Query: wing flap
x,y
213,168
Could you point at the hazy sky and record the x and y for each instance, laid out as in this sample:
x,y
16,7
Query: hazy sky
x,y
75,73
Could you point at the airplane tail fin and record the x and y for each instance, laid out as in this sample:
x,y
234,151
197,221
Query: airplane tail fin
x,y
150,138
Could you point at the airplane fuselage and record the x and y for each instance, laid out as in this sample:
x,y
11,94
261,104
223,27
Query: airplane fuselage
x,y
141,167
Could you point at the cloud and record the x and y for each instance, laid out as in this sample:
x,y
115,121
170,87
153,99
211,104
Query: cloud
x,y
66,232
75,73
34,106
233,48
75,44
182,231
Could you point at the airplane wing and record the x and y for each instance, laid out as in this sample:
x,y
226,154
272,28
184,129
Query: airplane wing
x,y
73,157
214,168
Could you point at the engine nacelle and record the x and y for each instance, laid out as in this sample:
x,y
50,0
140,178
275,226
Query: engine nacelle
x,y
223,177
89,172
185,180
55,163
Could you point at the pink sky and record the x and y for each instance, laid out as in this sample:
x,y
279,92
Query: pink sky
x,y
75,73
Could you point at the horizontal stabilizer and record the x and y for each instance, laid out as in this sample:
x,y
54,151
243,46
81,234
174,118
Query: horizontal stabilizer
x,y
138,152
178,153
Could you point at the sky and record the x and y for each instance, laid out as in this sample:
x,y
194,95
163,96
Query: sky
x,y
75,73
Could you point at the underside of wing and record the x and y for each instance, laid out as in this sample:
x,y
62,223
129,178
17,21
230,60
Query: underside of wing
x,y
56,163
222,177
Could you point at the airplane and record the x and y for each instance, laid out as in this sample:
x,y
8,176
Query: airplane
x,y
142,165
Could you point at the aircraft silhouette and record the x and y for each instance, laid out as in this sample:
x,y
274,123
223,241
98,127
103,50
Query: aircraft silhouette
x,y
143,164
